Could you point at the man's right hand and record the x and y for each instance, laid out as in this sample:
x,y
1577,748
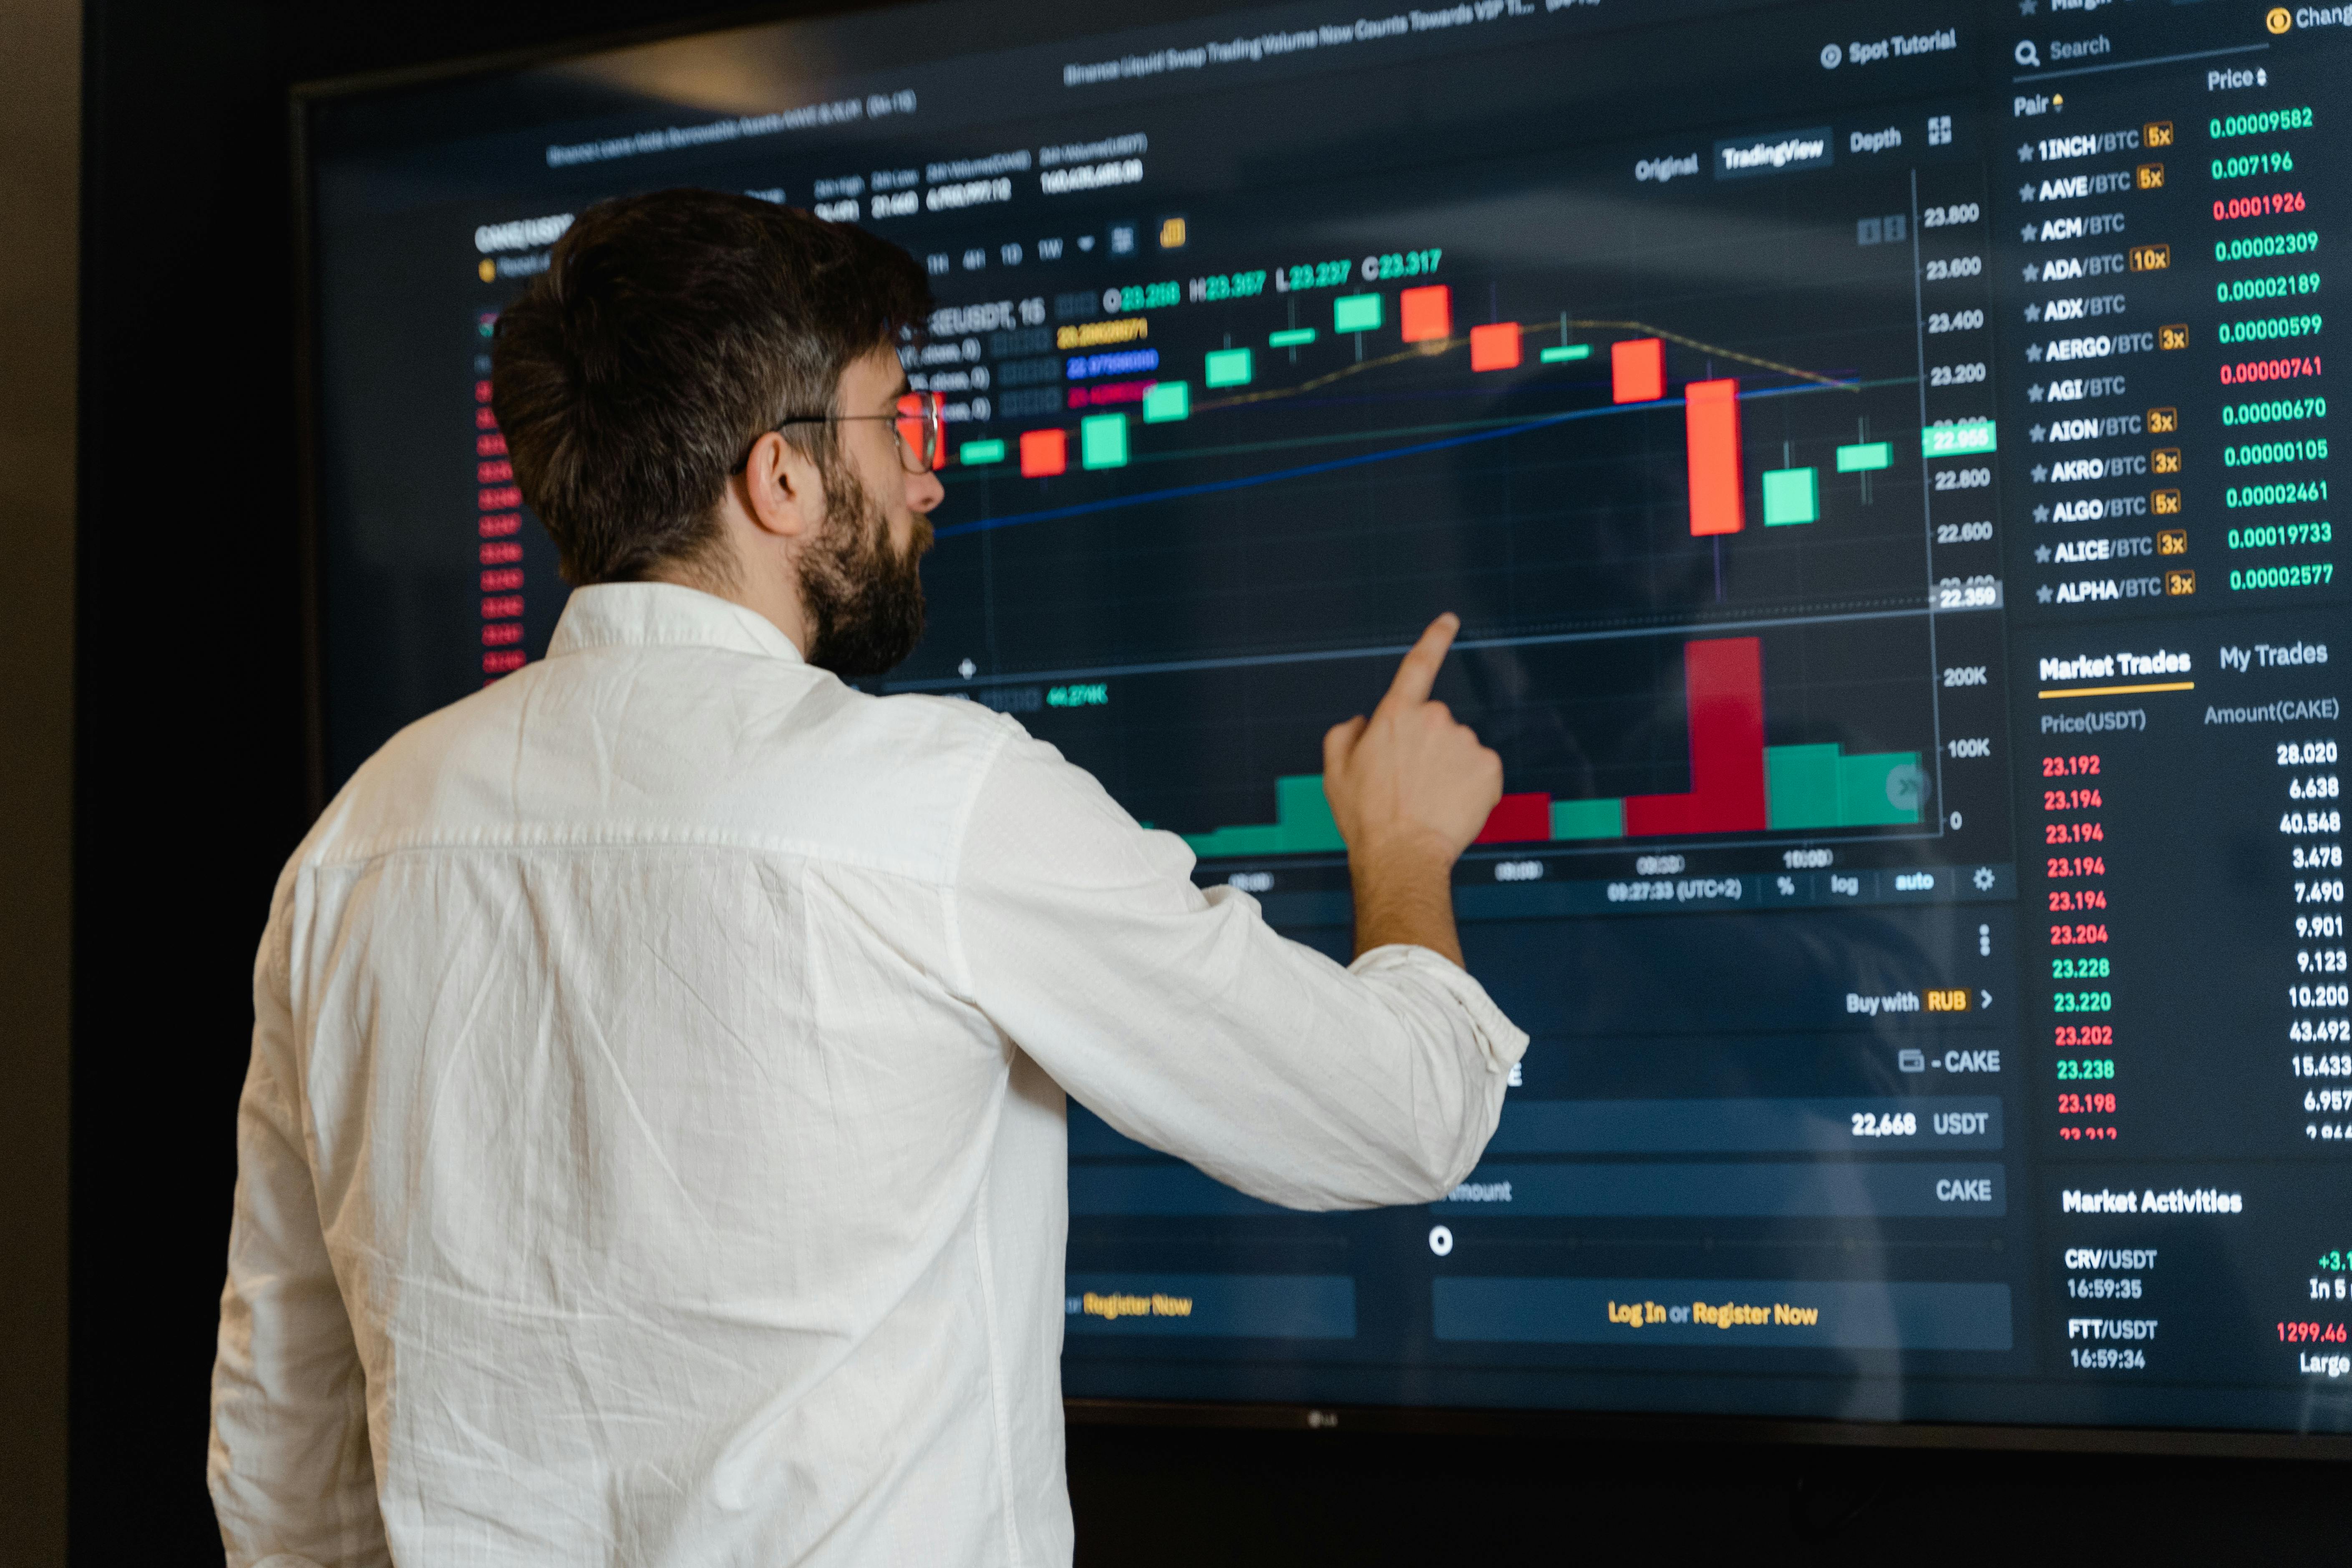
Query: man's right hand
x,y
1409,788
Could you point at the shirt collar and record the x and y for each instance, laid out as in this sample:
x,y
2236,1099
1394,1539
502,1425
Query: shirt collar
x,y
644,614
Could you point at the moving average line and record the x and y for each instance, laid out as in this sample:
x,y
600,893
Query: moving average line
x,y
1446,345
1332,465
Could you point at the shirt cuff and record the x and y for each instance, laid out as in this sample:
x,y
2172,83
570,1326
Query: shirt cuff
x,y
1502,1041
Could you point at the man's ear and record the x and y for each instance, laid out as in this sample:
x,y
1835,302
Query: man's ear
x,y
781,488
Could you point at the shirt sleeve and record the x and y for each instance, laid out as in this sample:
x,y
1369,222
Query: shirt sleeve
x,y
1183,1020
292,1480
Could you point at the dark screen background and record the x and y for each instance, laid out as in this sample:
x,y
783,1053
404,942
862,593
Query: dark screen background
x,y
2087,876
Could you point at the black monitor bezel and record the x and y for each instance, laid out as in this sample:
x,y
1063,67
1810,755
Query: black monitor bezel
x,y
1562,1425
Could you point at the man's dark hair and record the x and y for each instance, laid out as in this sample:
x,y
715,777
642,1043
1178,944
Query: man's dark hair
x,y
668,332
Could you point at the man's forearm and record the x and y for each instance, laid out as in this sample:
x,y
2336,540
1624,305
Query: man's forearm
x,y
1406,899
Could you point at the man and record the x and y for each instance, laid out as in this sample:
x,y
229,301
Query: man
x,y
654,1145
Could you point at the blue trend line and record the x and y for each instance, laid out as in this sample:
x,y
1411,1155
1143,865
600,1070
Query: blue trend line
x,y
1213,486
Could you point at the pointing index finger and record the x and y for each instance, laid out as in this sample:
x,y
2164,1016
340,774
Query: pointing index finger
x,y
1418,673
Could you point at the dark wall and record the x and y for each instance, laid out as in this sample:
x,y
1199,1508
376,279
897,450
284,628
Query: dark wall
x,y
190,794
40,141
1160,1498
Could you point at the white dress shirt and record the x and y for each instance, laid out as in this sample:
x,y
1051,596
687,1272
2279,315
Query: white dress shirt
x,y
654,1146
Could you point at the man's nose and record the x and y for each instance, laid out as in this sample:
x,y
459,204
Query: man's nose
x,y
924,491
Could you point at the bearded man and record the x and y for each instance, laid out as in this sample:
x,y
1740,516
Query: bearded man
x,y
654,1148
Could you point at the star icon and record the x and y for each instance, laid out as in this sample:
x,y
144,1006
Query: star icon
x,y
2026,234
2033,393
2033,312
2032,273
2037,432
2025,7
2025,153
2025,192
2041,473
2042,514
2033,353
2043,594
2041,553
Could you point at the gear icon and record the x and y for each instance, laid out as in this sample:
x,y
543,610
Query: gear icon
x,y
1984,878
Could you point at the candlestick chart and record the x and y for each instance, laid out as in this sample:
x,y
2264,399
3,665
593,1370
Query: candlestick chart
x,y
1669,466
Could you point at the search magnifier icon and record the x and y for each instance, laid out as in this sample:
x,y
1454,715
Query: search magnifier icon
x,y
2028,56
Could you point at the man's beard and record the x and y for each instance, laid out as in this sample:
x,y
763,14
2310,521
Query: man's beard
x,y
865,600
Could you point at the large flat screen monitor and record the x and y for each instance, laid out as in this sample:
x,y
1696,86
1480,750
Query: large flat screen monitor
x,y
1880,453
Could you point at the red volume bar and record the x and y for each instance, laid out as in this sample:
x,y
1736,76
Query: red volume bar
x,y
1724,687
1517,820
1711,427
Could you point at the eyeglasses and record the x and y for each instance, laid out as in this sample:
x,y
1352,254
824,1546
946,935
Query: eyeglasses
x,y
921,421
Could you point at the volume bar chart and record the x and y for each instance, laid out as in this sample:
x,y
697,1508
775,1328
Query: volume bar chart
x,y
1725,707
1737,783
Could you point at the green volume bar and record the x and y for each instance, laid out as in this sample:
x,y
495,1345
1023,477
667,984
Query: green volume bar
x,y
1818,786
1588,819
1303,824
